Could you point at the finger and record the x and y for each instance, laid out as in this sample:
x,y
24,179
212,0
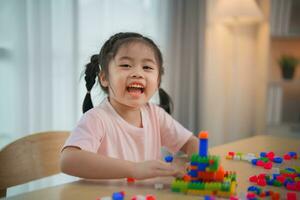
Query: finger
x,y
159,172
163,166
180,174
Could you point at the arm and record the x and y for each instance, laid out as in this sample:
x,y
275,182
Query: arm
x,y
191,146
80,163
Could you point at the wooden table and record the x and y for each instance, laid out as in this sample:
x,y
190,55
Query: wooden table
x,y
86,190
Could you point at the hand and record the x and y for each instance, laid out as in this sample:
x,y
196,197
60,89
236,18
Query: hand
x,y
154,168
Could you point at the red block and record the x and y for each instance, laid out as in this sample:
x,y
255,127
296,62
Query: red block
x,y
262,195
287,157
276,196
291,196
150,197
280,178
251,195
130,180
261,182
268,165
253,179
260,163
271,155
261,176
233,198
291,186
230,153
298,186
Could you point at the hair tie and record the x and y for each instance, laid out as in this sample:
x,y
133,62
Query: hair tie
x,y
88,92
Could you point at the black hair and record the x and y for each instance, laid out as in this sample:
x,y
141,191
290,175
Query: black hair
x,y
100,62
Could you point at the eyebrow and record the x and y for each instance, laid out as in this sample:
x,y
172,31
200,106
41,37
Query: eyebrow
x,y
129,58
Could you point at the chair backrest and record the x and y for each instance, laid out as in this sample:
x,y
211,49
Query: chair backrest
x,y
30,158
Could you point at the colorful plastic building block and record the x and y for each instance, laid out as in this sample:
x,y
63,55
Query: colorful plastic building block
x,y
205,175
203,144
121,196
130,180
141,197
255,192
288,177
118,196
169,159
291,196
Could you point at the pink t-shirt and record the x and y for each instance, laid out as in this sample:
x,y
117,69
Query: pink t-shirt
x,y
102,130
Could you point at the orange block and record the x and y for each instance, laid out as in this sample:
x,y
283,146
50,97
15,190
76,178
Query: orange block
x,y
220,174
203,135
193,167
187,178
206,176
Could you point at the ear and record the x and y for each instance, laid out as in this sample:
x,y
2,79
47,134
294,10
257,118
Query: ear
x,y
103,79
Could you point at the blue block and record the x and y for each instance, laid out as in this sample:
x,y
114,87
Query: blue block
x,y
117,196
194,163
263,154
252,189
292,154
207,197
290,169
193,173
270,182
169,159
203,147
254,161
202,166
277,160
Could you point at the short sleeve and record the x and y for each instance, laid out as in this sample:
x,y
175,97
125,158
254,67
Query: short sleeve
x,y
173,134
88,133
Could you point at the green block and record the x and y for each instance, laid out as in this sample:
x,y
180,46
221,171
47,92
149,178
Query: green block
x,y
225,186
196,186
175,190
213,186
265,159
277,183
203,159
194,158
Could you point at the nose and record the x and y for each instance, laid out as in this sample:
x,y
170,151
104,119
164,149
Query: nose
x,y
137,73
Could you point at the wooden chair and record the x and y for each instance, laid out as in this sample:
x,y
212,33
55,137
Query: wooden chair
x,y
30,158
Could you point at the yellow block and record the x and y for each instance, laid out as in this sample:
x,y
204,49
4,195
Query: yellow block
x,y
223,194
233,188
200,192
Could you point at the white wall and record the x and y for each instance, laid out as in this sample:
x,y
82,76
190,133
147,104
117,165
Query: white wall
x,y
234,92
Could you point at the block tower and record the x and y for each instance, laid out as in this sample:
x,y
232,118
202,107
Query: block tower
x,y
205,175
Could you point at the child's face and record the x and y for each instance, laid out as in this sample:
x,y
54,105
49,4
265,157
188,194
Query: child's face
x,y
133,75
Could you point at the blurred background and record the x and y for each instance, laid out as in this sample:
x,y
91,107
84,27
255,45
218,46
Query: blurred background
x,y
223,61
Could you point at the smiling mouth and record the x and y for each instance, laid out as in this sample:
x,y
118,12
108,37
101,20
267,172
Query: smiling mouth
x,y
135,88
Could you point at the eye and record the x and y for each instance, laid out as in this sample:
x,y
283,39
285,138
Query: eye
x,y
125,65
146,67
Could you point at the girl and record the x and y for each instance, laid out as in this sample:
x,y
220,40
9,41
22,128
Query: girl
x,y
123,136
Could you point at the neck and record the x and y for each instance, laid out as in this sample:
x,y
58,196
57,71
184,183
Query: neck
x,y
130,114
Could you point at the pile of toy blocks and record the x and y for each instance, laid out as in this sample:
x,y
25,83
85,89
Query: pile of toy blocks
x,y
205,175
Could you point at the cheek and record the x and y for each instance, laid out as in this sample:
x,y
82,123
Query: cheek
x,y
155,81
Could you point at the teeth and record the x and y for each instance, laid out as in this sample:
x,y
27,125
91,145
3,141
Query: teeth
x,y
136,86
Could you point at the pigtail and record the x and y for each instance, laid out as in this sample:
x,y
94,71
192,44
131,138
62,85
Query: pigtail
x,y
165,101
91,73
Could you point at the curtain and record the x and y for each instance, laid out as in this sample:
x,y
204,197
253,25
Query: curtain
x,y
185,60
43,49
